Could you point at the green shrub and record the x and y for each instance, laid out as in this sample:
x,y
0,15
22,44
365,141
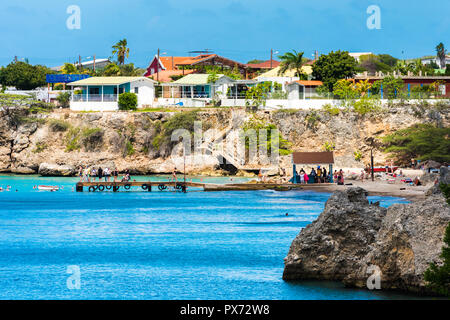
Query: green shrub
x,y
87,132
366,105
40,146
358,155
64,99
182,120
128,101
328,146
129,148
257,125
58,125
72,139
312,120
331,110
438,277
420,141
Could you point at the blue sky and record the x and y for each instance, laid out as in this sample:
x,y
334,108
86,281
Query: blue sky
x,y
240,30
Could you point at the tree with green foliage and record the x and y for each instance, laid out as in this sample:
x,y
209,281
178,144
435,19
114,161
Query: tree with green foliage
x,y
24,76
438,277
259,126
391,85
420,141
333,67
441,53
255,61
128,101
129,70
230,73
111,70
372,63
388,60
64,99
121,50
293,60
345,89
69,68
257,95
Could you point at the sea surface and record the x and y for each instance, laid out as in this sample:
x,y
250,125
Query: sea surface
x,y
156,245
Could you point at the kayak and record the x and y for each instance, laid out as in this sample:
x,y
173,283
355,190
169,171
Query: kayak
x,y
48,188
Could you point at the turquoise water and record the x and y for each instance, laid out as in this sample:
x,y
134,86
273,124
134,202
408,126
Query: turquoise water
x,y
158,245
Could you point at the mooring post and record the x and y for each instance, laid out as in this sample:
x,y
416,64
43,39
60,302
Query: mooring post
x,y
149,188
79,187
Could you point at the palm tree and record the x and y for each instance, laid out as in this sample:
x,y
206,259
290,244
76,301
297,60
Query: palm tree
x,y
292,60
120,48
440,50
363,87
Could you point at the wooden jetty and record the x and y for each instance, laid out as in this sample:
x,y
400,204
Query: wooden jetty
x,y
145,185
101,186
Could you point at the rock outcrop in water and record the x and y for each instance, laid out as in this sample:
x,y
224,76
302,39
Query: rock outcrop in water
x,y
352,235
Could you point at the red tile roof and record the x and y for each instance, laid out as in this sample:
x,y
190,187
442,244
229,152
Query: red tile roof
x,y
310,82
264,65
164,75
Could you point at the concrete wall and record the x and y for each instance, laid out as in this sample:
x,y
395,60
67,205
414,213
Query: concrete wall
x,y
163,102
93,106
303,104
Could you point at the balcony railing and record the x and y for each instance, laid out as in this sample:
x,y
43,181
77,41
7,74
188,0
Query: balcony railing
x,y
94,98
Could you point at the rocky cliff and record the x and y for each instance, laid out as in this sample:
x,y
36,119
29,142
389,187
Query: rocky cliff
x,y
56,143
351,236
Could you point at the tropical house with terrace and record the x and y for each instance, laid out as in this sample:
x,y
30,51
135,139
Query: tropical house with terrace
x,y
102,93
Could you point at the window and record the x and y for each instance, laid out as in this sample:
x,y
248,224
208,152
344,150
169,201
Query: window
x,y
94,90
120,90
136,90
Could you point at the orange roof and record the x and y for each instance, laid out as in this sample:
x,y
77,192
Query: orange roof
x,y
170,63
264,65
310,82
164,75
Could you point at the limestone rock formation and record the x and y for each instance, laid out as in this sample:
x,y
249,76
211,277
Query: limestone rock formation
x,y
351,236
330,247
127,139
51,170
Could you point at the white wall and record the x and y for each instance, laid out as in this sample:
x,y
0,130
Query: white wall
x,y
146,95
93,106
164,102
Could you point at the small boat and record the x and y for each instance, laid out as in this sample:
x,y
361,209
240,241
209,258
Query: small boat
x,y
48,188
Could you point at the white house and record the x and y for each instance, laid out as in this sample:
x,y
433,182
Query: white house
x,y
428,60
102,93
303,89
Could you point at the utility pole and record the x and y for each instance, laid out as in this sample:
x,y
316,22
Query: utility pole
x,y
371,163
94,62
15,59
271,58
157,68
79,63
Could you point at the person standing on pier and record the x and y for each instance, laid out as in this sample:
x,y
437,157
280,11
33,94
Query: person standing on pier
x,y
115,174
100,174
174,175
107,174
93,174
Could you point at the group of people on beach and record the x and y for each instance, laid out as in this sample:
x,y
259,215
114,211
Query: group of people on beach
x,y
319,175
90,174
